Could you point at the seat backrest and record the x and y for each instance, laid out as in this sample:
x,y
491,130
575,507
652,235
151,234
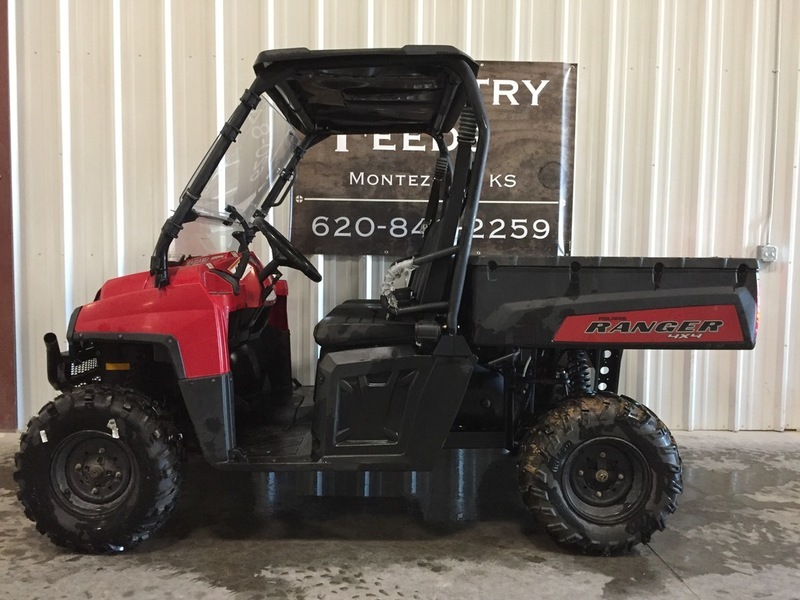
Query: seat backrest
x,y
431,281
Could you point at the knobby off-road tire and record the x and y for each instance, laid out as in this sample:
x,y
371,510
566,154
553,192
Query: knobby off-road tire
x,y
601,473
99,469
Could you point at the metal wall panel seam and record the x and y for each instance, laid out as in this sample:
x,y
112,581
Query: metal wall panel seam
x,y
778,129
610,220
776,77
270,25
370,23
668,63
419,29
635,127
765,414
591,207
708,417
516,34
66,152
792,299
171,195
752,195
696,362
320,24
13,93
792,420
701,31
119,156
220,91
569,42
468,8
626,167
652,361
575,53
705,174
734,46
669,363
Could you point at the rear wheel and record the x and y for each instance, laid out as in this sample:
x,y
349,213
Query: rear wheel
x,y
99,469
601,473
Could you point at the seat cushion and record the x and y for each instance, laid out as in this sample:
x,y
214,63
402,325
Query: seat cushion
x,y
360,323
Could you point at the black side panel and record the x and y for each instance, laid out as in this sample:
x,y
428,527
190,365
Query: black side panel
x,y
209,401
368,396
388,407
483,407
279,366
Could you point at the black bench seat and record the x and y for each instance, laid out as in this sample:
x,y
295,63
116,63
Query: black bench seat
x,y
362,323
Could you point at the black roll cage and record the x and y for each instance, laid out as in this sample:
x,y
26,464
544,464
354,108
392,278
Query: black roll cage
x,y
414,89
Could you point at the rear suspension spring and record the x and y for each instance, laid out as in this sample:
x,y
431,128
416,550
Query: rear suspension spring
x,y
579,373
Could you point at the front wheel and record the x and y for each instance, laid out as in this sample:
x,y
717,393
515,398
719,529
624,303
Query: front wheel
x,y
99,469
601,473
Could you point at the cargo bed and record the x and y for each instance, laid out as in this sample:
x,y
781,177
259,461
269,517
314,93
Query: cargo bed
x,y
602,302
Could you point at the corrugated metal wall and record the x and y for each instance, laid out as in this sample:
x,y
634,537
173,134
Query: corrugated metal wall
x,y
687,141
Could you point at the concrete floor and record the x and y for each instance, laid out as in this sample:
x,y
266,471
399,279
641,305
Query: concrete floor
x,y
735,535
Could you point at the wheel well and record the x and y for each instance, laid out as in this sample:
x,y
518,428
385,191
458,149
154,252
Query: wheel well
x,y
146,367
539,379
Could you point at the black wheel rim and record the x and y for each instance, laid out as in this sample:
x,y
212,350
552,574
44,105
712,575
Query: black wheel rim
x,y
92,472
606,480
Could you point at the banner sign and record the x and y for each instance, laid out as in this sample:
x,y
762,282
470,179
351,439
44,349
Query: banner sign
x,y
366,194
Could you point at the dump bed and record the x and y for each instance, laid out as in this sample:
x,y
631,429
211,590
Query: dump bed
x,y
595,302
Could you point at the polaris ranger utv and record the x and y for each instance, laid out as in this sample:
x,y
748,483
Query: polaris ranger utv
x,y
459,351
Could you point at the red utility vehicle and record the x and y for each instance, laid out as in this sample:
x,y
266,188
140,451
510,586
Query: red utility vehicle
x,y
458,352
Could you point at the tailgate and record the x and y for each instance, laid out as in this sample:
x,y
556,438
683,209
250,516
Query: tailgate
x,y
611,302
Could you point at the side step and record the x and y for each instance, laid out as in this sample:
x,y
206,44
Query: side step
x,y
286,438
275,443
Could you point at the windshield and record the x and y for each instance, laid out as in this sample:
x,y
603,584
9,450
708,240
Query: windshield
x,y
251,166
248,170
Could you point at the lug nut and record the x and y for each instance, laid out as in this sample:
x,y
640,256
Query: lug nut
x,y
580,471
102,451
78,466
620,476
602,455
118,475
599,494
95,491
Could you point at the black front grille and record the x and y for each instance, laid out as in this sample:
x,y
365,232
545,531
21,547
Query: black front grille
x,y
82,367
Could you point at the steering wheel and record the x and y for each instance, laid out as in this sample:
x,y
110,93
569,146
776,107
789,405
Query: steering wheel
x,y
285,253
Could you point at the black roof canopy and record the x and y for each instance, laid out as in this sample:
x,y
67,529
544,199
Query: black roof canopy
x,y
414,89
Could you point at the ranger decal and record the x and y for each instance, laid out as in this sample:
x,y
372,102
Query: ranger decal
x,y
689,325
